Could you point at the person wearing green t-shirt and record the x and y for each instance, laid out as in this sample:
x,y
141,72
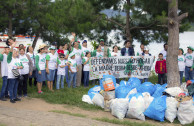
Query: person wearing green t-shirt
x,y
40,61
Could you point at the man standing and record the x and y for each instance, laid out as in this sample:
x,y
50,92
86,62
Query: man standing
x,y
78,57
189,63
164,52
105,49
141,51
128,49
84,47
4,69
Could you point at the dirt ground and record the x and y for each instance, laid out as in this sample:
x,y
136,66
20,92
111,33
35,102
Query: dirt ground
x,y
36,112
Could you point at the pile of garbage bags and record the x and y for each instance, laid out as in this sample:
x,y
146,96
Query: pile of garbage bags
x,y
131,99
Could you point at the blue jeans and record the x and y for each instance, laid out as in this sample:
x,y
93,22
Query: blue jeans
x,y
72,77
60,79
86,78
13,88
188,73
66,74
4,86
181,76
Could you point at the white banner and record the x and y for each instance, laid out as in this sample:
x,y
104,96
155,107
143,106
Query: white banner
x,y
121,67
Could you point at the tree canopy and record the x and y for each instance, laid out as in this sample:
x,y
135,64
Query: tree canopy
x,y
143,21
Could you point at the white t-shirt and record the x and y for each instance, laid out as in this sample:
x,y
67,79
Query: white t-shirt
x,y
73,65
189,59
139,53
32,57
52,61
15,62
181,63
78,55
42,61
164,54
61,70
66,52
117,54
126,53
87,65
102,48
99,54
24,60
4,68
84,50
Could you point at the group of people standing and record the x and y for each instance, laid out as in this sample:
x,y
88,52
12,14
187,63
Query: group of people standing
x,y
185,64
69,62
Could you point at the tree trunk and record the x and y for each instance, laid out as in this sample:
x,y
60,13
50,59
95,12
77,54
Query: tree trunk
x,y
173,77
10,30
36,39
128,33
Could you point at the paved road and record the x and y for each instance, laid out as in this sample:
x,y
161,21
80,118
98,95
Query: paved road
x,y
22,117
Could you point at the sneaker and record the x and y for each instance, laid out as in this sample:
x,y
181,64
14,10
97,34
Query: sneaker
x,y
25,96
19,96
17,99
40,92
12,101
3,99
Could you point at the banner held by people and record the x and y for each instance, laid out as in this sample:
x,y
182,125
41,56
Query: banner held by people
x,y
121,67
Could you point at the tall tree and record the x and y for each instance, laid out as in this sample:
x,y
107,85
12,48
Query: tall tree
x,y
174,21
10,11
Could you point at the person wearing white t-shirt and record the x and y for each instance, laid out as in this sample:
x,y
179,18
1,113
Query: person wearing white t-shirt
x,y
30,52
164,52
78,57
98,52
189,64
86,69
62,63
40,61
51,66
72,70
139,53
66,53
115,53
128,50
25,72
85,48
181,63
13,63
145,53
4,73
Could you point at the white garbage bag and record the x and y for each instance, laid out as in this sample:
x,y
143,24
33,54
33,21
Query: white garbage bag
x,y
147,99
87,99
171,109
119,107
98,100
186,112
136,108
133,91
174,91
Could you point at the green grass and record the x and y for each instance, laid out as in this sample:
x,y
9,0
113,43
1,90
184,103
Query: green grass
x,y
122,122
67,96
69,113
